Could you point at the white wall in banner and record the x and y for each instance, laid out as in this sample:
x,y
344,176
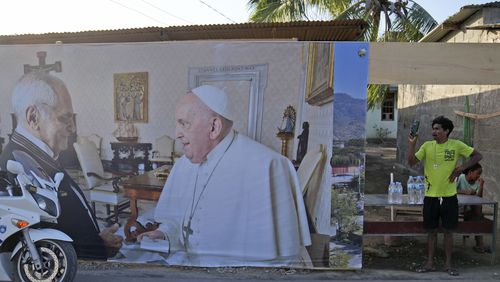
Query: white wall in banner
x,y
87,70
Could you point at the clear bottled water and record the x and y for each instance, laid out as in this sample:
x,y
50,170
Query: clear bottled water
x,y
391,193
420,188
411,190
395,193
141,169
398,199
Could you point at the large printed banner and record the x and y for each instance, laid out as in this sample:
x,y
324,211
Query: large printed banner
x,y
213,167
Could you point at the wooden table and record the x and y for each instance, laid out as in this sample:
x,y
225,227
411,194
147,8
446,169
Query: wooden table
x,y
414,228
142,187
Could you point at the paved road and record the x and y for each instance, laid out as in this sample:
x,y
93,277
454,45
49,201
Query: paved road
x,y
148,274
252,280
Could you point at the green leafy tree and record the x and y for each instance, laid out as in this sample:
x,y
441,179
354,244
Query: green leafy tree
x,y
402,20
344,212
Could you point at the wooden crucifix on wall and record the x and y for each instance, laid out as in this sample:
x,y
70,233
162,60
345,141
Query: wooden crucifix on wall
x,y
42,66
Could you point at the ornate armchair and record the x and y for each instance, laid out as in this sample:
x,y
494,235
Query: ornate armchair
x,y
103,186
310,170
163,150
96,139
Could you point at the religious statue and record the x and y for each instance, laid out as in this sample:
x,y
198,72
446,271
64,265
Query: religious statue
x,y
303,138
126,131
288,121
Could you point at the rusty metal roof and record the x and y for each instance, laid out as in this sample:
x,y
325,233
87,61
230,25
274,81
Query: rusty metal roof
x,y
456,20
335,30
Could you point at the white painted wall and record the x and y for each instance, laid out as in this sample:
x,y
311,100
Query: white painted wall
x,y
373,117
320,120
88,73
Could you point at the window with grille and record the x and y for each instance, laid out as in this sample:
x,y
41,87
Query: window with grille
x,y
387,110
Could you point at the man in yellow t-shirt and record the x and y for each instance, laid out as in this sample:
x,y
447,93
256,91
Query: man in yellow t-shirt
x,y
440,158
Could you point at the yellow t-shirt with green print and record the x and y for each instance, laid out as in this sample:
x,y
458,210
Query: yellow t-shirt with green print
x,y
439,162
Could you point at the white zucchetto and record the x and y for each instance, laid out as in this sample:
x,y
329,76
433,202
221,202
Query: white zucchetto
x,y
215,99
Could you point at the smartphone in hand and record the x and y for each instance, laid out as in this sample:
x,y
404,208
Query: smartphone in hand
x,y
414,128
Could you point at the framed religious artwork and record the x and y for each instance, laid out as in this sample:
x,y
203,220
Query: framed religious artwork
x,y
319,83
131,96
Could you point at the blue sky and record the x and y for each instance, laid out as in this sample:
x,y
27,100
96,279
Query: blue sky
x,y
351,70
35,16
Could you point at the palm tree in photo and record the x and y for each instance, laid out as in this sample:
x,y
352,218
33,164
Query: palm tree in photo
x,y
401,20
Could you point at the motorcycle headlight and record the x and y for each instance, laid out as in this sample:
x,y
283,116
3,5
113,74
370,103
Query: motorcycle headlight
x,y
42,204
45,204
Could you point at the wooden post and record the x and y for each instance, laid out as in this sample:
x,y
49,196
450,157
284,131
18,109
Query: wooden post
x,y
434,63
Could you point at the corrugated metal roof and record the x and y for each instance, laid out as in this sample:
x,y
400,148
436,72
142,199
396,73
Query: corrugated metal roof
x,y
457,19
335,30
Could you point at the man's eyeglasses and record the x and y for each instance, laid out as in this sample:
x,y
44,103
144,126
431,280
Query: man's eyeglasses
x,y
66,118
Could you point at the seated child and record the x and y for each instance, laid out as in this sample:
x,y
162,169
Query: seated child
x,y
471,183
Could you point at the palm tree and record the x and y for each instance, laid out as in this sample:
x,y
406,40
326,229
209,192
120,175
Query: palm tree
x,y
404,20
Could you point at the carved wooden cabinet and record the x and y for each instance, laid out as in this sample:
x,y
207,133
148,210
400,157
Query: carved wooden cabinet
x,y
129,155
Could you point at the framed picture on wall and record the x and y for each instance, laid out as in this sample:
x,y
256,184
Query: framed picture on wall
x,y
319,87
131,96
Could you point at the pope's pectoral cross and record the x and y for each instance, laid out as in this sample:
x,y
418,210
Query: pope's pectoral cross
x,y
187,231
42,66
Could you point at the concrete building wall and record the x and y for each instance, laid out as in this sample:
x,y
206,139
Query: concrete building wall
x,y
425,102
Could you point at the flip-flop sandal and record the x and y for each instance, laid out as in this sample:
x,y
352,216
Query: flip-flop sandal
x,y
423,269
452,271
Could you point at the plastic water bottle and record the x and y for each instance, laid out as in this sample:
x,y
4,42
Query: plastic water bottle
x,y
391,193
400,190
410,185
417,189
420,190
398,199
141,169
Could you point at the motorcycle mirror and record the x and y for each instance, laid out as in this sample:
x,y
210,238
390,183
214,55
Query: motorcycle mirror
x,y
57,179
15,167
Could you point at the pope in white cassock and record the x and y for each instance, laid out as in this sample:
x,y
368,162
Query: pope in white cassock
x,y
229,201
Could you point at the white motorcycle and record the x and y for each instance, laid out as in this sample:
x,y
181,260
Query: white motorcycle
x,y
29,252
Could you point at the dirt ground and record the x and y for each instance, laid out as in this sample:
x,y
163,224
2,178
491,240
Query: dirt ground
x,y
380,162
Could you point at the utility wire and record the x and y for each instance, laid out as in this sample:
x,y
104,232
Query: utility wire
x,y
137,11
216,11
170,14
